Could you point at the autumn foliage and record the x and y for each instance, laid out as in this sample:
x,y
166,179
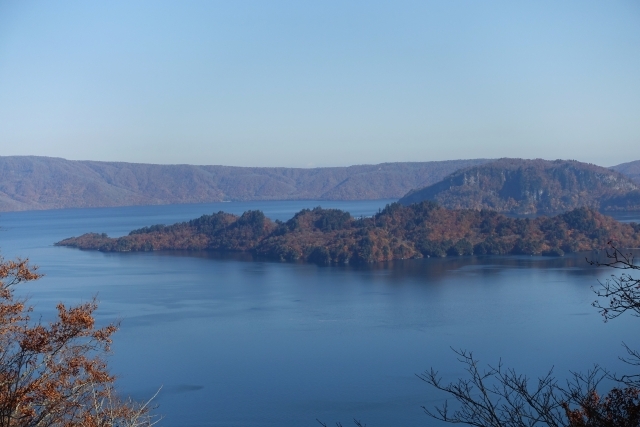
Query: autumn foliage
x,y
55,374
331,236
619,408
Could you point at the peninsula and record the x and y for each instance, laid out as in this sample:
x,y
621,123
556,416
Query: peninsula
x,y
328,236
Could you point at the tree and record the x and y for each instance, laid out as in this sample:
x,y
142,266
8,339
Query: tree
x,y
499,397
56,374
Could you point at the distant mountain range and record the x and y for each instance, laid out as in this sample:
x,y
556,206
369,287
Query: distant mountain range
x,y
30,183
512,186
530,187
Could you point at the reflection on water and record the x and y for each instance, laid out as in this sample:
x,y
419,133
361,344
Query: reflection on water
x,y
433,267
237,341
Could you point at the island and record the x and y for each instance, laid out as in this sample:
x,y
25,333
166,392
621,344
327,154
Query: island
x,y
331,236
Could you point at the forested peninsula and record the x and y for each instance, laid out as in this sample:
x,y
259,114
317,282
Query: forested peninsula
x,y
328,236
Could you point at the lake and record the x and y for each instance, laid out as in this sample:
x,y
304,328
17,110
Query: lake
x,y
238,342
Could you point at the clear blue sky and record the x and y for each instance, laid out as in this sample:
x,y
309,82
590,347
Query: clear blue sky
x,y
324,83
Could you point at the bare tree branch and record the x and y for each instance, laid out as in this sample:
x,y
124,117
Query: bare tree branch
x,y
621,292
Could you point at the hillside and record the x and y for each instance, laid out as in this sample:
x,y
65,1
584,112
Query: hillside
x,y
630,169
30,183
529,187
398,232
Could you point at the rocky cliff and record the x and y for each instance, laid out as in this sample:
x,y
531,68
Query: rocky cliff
x,y
530,187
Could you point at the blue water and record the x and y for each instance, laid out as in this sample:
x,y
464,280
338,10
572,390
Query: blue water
x,y
237,342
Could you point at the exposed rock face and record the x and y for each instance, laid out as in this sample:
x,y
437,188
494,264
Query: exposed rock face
x,y
529,187
630,169
28,183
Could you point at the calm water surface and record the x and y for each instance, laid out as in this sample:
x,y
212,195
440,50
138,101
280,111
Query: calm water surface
x,y
237,342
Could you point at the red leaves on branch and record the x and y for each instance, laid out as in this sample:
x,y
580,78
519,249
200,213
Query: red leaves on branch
x,y
619,408
56,374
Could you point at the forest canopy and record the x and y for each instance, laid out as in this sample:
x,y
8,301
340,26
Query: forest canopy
x,y
397,232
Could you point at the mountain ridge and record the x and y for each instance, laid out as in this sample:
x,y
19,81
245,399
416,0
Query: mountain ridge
x,y
34,183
